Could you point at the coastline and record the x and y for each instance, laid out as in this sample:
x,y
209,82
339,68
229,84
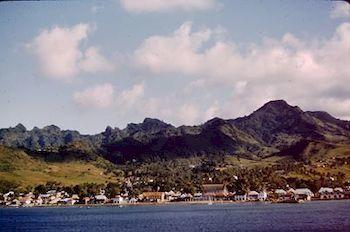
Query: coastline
x,y
167,203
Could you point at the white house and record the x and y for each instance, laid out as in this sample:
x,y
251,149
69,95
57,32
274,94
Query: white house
x,y
101,198
241,197
262,196
118,200
253,196
329,193
303,194
280,192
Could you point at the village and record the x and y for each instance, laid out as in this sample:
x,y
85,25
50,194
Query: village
x,y
211,193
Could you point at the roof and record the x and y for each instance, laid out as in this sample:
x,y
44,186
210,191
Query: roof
x,y
325,190
280,191
303,191
152,194
213,187
338,189
100,197
253,193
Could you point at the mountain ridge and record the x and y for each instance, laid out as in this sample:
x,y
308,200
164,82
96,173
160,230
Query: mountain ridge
x,y
271,129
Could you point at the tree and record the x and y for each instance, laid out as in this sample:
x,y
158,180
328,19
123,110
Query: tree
x,y
112,189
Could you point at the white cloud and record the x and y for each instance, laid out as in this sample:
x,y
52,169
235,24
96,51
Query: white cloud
x,y
59,55
130,96
340,10
188,114
138,6
302,71
176,53
102,96
99,96
212,111
94,62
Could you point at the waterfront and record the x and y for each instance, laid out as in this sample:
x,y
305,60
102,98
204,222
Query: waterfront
x,y
310,216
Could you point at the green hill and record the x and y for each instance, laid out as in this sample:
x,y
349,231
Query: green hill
x,y
18,167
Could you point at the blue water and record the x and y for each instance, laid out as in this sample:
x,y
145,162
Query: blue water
x,y
311,216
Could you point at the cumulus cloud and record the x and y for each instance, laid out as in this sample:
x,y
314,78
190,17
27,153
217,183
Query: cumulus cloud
x,y
138,6
104,95
307,72
130,96
59,55
94,62
175,53
213,111
188,114
99,96
340,10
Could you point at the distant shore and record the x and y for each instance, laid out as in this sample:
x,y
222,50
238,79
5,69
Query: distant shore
x,y
162,204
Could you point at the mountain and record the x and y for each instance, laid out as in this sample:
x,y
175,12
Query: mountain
x,y
275,128
278,124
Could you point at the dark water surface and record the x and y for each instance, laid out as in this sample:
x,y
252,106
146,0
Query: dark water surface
x,y
311,216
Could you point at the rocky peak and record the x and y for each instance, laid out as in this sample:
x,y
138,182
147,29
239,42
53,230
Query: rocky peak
x,y
20,128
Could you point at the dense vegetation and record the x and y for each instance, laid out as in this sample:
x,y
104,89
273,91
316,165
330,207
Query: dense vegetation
x,y
275,146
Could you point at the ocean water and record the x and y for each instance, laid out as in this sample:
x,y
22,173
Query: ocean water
x,y
310,216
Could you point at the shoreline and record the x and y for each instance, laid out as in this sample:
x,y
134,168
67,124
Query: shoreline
x,y
165,203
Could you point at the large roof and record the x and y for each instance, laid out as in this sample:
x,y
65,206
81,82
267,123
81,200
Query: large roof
x,y
152,194
325,190
303,191
213,187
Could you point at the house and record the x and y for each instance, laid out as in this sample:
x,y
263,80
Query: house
x,y
15,202
75,197
186,197
152,196
45,198
8,197
100,199
132,200
280,192
284,196
325,193
38,201
68,201
198,196
339,193
170,196
262,196
303,194
54,200
26,201
241,197
118,200
215,191
253,196
330,193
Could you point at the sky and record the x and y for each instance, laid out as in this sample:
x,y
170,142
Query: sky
x,y
84,65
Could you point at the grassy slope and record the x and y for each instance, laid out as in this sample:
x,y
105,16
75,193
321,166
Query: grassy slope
x,y
322,159
247,163
19,167
321,155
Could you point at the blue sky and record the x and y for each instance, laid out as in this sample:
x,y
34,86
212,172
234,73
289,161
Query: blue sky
x,y
87,64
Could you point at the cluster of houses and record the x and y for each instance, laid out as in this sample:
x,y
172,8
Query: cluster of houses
x,y
52,197
210,193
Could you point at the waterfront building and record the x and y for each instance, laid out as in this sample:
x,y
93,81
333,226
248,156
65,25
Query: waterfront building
x,y
303,194
215,191
152,196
